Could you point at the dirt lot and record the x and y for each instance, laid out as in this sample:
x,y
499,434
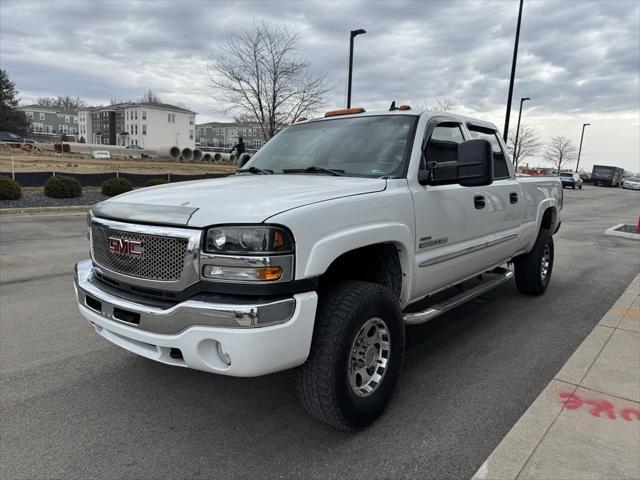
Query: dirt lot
x,y
80,163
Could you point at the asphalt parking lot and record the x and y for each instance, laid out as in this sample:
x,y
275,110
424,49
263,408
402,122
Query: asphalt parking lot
x,y
74,406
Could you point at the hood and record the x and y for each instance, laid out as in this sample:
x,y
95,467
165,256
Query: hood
x,y
233,199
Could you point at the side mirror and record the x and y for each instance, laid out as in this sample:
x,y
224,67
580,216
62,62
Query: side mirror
x,y
473,168
244,158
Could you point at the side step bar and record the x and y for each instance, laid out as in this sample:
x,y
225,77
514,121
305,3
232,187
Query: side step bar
x,y
502,275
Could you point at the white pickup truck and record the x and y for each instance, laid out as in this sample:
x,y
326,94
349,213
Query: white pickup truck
x,y
317,253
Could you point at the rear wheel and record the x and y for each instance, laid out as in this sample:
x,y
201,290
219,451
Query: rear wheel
x,y
355,357
533,270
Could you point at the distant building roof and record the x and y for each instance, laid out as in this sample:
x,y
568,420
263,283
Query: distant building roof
x,y
120,106
228,124
40,108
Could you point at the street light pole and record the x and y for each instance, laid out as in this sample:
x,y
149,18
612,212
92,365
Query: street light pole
x,y
580,149
353,34
515,143
513,75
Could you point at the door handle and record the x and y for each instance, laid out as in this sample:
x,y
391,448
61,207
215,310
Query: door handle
x,y
479,201
513,197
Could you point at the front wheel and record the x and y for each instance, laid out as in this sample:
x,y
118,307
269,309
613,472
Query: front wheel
x,y
356,355
533,270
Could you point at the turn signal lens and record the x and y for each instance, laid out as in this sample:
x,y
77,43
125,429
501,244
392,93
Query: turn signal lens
x,y
269,274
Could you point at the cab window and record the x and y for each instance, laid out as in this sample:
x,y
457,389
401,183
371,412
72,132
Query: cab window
x,y
500,169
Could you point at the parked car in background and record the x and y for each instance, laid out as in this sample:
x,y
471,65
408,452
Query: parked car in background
x,y
571,179
632,183
10,137
607,176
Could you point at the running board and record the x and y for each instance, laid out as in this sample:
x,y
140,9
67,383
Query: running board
x,y
502,275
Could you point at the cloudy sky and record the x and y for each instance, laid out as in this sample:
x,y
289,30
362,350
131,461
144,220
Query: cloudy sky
x,y
579,59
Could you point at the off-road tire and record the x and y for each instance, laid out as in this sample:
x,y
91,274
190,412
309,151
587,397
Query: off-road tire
x,y
323,381
528,267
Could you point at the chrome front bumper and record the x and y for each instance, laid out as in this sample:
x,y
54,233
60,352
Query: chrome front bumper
x,y
208,332
202,309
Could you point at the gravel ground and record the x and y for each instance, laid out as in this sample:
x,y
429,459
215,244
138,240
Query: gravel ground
x,y
38,199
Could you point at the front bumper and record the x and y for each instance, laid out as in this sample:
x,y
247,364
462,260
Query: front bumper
x,y
208,330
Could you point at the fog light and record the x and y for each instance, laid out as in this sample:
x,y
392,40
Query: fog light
x,y
224,356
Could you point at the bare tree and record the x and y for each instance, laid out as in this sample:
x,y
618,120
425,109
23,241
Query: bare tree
x,y
529,144
559,152
259,73
151,97
62,102
441,104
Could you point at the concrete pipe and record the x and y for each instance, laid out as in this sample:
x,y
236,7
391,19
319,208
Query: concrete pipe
x,y
207,157
197,155
187,154
217,157
233,158
175,153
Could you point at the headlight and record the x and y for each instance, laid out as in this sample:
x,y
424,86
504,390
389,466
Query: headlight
x,y
248,240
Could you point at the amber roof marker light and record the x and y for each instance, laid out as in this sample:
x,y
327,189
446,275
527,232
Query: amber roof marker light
x,y
344,111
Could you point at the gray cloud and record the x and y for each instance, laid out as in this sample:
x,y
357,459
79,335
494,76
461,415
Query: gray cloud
x,y
574,56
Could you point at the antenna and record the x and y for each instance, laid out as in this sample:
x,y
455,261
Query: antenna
x,y
393,106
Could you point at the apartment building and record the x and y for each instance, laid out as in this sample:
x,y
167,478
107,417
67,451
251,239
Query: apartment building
x,y
153,126
225,135
48,122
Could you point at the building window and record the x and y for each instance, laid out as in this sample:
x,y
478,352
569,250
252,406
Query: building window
x,y
144,129
42,116
67,119
75,119
29,115
37,127
144,114
63,129
135,113
136,128
190,120
190,134
171,117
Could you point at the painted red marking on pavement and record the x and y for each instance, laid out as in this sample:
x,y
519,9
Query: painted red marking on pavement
x,y
626,413
601,406
573,401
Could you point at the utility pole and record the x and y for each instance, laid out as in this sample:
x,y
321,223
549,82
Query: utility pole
x,y
513,75
353,34
515,143
580,149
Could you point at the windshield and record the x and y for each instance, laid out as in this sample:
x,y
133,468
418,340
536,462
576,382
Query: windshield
x,y
374,146
633,179
564,174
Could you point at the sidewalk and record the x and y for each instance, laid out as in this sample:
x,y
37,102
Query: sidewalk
x,y
586,423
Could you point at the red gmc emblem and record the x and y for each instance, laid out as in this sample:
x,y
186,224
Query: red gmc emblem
x,y
125,247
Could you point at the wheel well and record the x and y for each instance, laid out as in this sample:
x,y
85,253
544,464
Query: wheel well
x,y
379,263
548,219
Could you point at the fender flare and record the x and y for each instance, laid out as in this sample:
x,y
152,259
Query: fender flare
x,y
545,205
328,248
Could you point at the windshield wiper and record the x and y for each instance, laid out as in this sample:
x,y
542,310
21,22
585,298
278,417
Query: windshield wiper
x,y
314,169
257,171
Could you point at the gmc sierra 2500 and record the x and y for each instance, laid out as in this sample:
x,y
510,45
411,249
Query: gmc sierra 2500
x,y
315,255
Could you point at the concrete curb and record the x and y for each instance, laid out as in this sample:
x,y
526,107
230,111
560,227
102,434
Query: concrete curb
x,y
72,210
613,232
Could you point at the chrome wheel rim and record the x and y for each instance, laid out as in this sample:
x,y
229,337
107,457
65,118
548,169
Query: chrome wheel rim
x,y
369,358
546,262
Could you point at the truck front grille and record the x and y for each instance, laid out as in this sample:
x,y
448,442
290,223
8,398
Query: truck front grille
x,y
160,258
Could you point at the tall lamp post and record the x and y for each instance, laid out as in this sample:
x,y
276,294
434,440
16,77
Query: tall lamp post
x,y
515,143
580,149
513,75
354,34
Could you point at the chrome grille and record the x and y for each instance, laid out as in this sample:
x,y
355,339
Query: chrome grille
x,y
162,257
